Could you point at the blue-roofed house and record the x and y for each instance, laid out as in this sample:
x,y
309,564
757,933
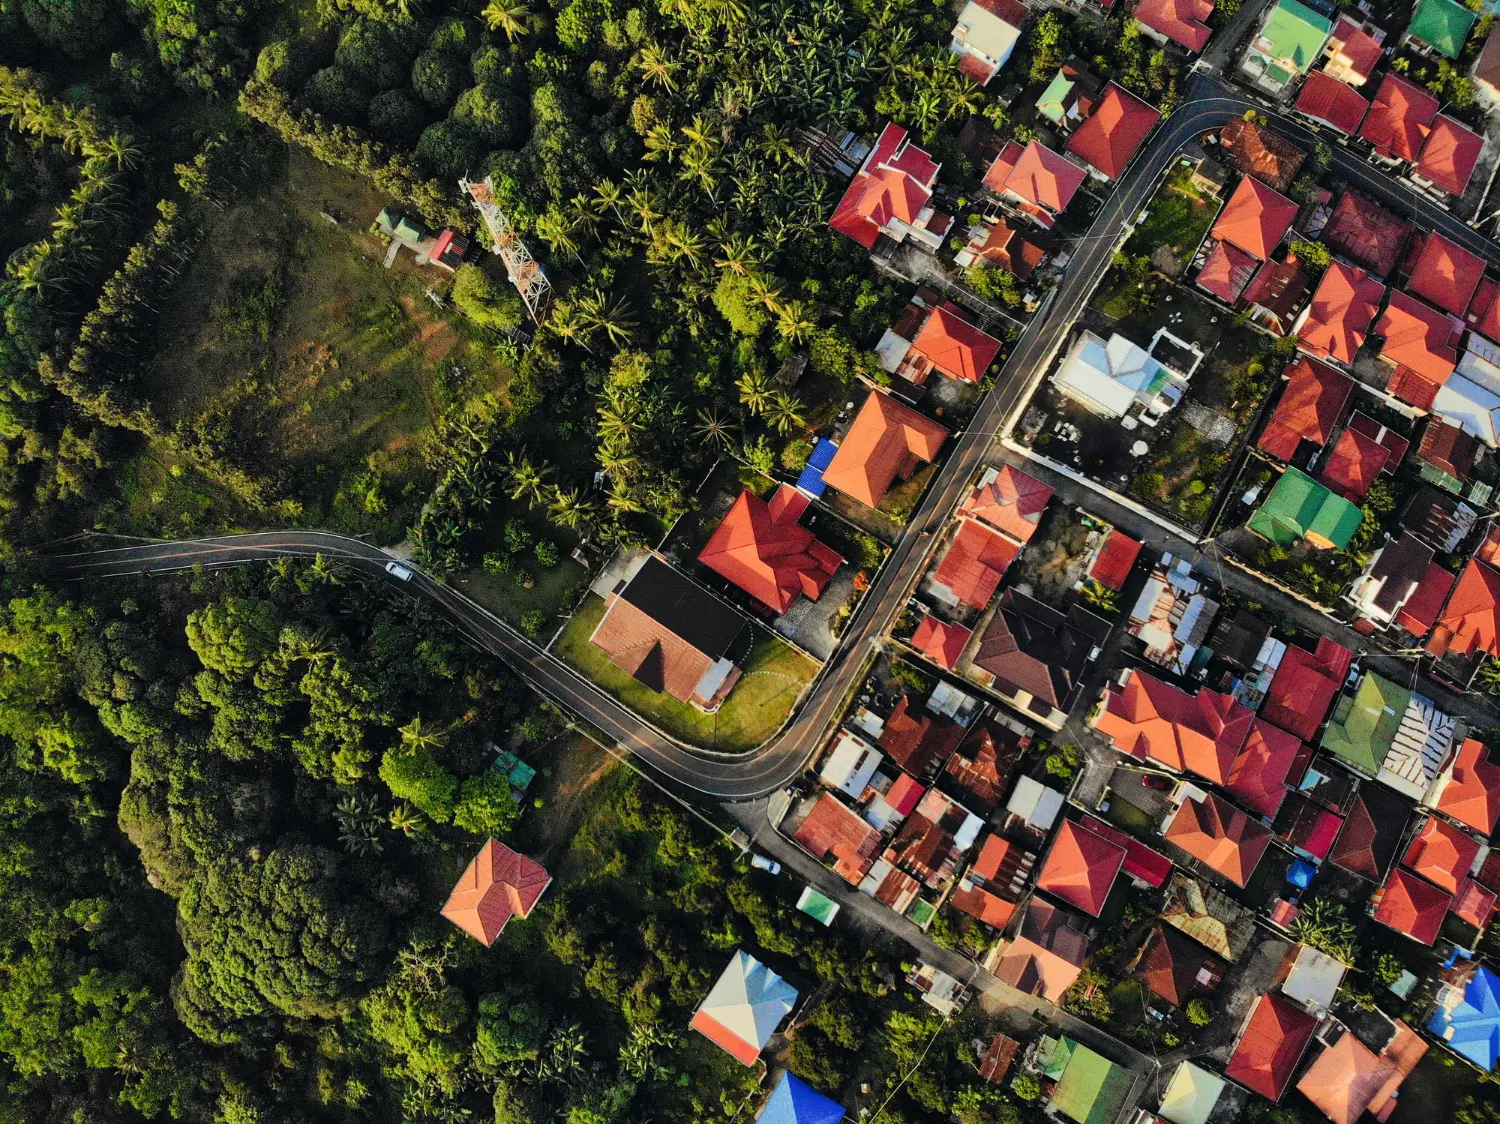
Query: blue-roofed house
x,y
811,480
1468,1014
794,1101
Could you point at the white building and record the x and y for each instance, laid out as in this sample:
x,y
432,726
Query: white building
x,y
1117,378
985,35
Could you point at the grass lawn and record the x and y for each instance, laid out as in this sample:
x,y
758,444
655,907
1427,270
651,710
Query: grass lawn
x,y
554,589
1177,218
1127,817
774,675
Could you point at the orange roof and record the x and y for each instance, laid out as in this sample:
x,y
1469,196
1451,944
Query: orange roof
x,y
1255,219
1047,953
1328,100
1310,407
1412,906
1471,620
1081,867
1181,21
833,828
1357,53
1258,777
1010,501
1109,138
975,563
1471,794
940,641
1115,560
1441,853
955,347
885,440
1445,274
1220,836
1353,465
1226,272
498,884
761,548
1345,1079
1001,167
1419,338
1200,733
894,182
1400,118
1341,313
1450,154
1270,1046
1045,178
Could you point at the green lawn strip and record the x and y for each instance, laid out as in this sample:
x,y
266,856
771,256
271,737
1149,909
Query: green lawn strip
x,y
774,675
553,591
1177,218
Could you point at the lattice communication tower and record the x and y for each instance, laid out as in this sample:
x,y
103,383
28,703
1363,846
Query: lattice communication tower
x,y
526,273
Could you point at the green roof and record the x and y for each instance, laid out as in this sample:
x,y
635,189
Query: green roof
x,y
1053,104
1301,508
1442,25
1091,1089
1296,35
515,770
820,908
1364,725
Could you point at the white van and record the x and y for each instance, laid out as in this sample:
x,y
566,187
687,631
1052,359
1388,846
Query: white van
x,y
398,571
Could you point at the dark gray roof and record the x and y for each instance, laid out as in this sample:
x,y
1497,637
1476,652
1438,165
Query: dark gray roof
x,y
684,608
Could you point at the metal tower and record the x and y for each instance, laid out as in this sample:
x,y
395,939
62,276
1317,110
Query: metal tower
x,y
526,273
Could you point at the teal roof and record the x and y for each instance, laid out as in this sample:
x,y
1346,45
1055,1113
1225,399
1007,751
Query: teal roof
x,y
515,770
1301,508
1296,35
1364,725
1053,104
818,906
1442,25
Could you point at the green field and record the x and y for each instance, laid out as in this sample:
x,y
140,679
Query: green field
x,y
774,675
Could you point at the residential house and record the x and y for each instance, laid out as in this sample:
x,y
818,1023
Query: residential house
x,y
1082,1086
1422,344
1258,777
762,548
1439,27
1299,509
1363,232
1150,720
1470,623
1334,324
1353,51
928,847
1114,560
971,568
447,249
1467,1018
997,243
997,1058
1009,500
1176,969
1217,834
978,772
1348,1079
1400,118
1310,408
985,35
1255,219
1110,137
1449,156
1036,181
1468,790
1046,954
1144,866
1258,152
1371,835
1353,465
1329,102
1033,655
1389,580
671,635
832,829
744,1007
1410,905
1118,379
918,742
1192,1095
1227,271
1271,1042
1310,978
1172,618
996,881
1483,314
1442,853
1486,73
498,884
1448,456
1208,916
891,194
942,339
1071,95
1289,42
1081,868
887,441
1470,397
1364,725
794,1101
1305,685
940,641
1032,807
850,764
1443,273
1184,22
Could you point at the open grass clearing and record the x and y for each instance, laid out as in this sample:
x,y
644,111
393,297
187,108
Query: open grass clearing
x,y
1177,218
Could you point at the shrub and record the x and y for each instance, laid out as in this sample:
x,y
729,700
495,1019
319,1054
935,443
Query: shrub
x,y
414,774
532,623
450,148
336,93
486,805
547,554
482,300
1198,1012
397,118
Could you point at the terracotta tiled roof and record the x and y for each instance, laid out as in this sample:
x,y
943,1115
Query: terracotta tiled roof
x,y
1115,561
1008,248
1182,21
1444,273
761,548
1255,219
1365,233
895,182
1305,686
1261,153
955,347
1487,65
1471,620
1421,610
1353,465
1371,833
1110,137
1412,906
1170,965
1010,501
885,440
1270,1046
1474,903
1471,792
1357,55
1449,448
1001,167
1328,100
1081,868
1046,178
1032,647
975,563
1310,407
918,742
940,641
1419,338
1258,777
1278,290
1450,155
1441,853
1345,1079
1400,118
1151,867
1202,734
979,770
1220,836
833,828
1047,953
1341,312
1227,271
498,884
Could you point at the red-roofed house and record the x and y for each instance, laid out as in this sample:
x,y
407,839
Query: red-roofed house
x,y
498,884
1227,271
1183,22
1276,294
1353,464
1258,776
1305,686
951,346
1400,118
1081,868
916,741
833,828
1422,343
991,887
1483,314
1329,102
891,194
1352,54
1411,906
1443,273
940,641
1388,580
1115,560
761,548
1363,232
1441,853
1047,953
1008,500
1421,610
886,441
1448,157
1348,1079
1333,326
1310,408
1255,219
1470,622
971,571
1039,181
1270,1046
1218,835
1468,790
1110,137
1152,720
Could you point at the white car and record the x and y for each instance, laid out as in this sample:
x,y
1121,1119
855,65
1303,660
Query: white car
x,y
398,571
770,866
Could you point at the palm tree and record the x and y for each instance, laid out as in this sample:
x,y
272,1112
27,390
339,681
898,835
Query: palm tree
x,y
570,508
607,194
609,316
714,430
794,321
407,820
121,149
528,481
656,68
647,207
568,324
784,413
555,229
509,16
661,144
1488,677
415,736
755,391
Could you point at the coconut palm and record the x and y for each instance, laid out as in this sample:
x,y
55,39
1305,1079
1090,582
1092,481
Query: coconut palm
x,y
509,16
407,820
415,735
527,480
608,315
555,228
656,68
661,143
794,320
755,391
714,430
784,413
567,323
607,194
570,508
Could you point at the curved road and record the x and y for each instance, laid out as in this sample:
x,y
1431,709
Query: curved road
x,y
778,761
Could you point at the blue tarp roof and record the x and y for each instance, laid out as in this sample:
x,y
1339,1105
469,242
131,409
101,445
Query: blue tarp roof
x,y
796,1102
811,480
1301,874
1473,1027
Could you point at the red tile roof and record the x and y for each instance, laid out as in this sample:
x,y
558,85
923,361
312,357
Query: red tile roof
x,y
1256,151
1365,233
1258,777
1227,271
1400,118
1450,155
1471,793
1444,273
1470,622
498,884
833,828
1141,861
1353,464
1441,853
1357,52
886,440
1310,407
1046,178
1110,137
1150,719
1483,314
894,182
1421,610
1255,219
1271,1046
1170,965
904,794
1220,836
1278,290
1345,1079
1182,21
1012,502
940,641
1341,313
918,742
1305,686
761,548
1001,167
1412,906
1081,867
975,563
1048,952
1371,833
1328,100
1474,903
954,346
1116,558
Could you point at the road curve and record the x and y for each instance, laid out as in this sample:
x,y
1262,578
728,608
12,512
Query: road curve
x,y
774,764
